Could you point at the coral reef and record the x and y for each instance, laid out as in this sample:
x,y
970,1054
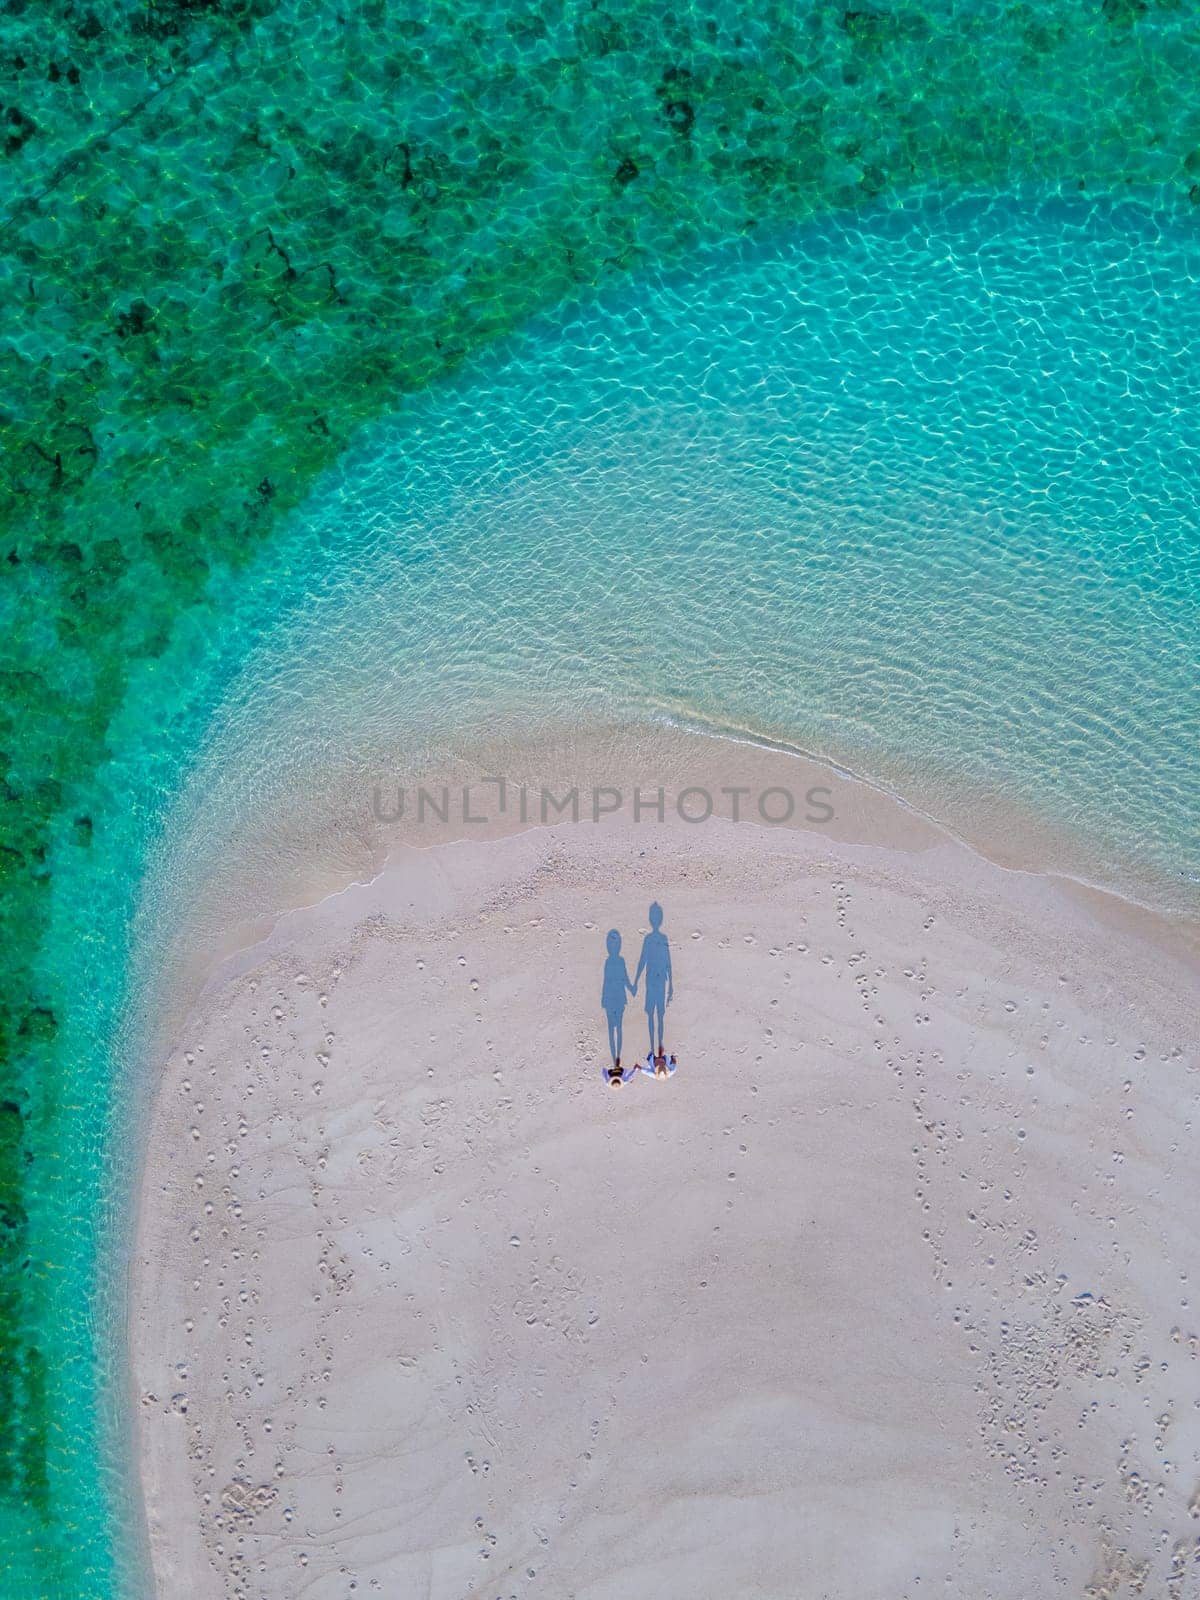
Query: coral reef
x,y
233,232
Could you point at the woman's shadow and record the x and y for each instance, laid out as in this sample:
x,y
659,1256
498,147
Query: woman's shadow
x,y
615,989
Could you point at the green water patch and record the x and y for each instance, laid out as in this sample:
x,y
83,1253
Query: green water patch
x,y
235,232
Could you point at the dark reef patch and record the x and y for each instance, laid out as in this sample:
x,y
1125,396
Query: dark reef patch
x,y
262,223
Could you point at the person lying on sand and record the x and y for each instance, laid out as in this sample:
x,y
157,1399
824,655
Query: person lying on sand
x,y
659,1066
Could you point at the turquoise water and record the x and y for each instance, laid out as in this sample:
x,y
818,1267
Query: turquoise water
x,y
912,489
236,232
239,231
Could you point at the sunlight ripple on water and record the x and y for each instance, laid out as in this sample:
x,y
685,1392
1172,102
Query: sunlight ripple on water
x,y
914,489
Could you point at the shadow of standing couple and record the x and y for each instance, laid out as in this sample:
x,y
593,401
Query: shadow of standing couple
x,y
654,964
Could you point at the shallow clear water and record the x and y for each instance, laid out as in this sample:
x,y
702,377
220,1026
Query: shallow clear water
x,y
915,490
235,232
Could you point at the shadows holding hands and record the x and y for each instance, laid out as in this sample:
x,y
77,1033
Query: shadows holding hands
x,y
654,964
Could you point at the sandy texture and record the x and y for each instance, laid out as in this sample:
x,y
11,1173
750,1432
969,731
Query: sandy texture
x,y
885,1295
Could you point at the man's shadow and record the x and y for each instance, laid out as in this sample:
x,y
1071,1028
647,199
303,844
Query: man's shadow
x,y
655,963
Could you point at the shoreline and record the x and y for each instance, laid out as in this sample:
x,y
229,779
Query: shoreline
x,y
1106,902
1127,893
344,846
889,866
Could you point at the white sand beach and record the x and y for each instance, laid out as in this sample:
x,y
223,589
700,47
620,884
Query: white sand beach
x,y
889,1293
